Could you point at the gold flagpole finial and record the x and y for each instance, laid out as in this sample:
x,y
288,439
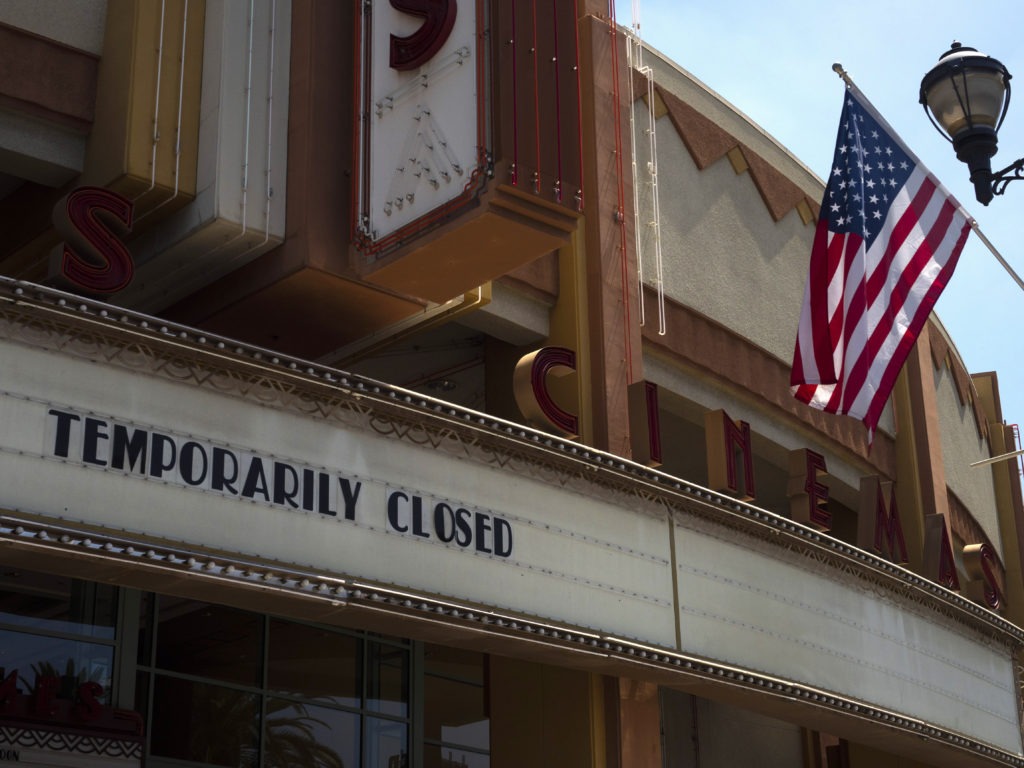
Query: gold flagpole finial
x,y
839,70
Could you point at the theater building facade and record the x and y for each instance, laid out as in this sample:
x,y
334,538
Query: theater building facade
x,y
399,383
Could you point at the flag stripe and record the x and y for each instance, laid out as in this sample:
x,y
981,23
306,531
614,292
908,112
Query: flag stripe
x,y
899,265
884,248
952,241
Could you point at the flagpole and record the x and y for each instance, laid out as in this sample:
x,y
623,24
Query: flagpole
x,y
996,459
999,257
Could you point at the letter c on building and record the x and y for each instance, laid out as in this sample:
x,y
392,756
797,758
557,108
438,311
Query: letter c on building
x,y
529,384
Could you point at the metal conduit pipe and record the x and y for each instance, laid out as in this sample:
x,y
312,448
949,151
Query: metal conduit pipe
x,y
177,128
156,103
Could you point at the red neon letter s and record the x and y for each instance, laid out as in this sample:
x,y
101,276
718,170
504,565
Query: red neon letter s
x,y
94,258
419,47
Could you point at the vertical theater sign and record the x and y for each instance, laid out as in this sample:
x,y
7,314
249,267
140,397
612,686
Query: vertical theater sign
x,y
420,105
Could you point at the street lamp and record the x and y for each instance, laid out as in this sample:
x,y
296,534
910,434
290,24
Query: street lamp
x,y
965,96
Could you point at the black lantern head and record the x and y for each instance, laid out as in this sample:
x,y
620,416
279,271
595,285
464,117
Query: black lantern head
x,y
965,96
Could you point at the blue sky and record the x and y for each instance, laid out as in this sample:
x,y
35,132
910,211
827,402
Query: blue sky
x,y
773,61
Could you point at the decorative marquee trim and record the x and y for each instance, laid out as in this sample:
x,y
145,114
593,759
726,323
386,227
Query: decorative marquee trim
x,y
74,743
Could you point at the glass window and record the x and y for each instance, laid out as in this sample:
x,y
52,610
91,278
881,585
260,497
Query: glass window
x,y
310,696
209,641
455,706
455,663
144,649
387,688
386,744
205,723
72,662
298,734
314,662
142,694
453,757
454,712
49,603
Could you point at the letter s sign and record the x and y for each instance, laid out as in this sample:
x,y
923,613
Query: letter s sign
x,y
93,257
421,46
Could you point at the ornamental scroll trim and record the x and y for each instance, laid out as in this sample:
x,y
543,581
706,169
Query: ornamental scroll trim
x,y
59,741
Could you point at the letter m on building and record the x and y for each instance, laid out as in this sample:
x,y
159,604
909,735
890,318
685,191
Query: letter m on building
x,y
878,527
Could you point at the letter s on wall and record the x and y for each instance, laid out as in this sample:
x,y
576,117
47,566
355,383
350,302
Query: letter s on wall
x,y
93,257
421,46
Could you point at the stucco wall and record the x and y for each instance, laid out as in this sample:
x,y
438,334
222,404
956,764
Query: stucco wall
x,y
961,445
79,24
723,253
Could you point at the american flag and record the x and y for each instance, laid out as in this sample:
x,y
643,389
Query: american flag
x,y
887,240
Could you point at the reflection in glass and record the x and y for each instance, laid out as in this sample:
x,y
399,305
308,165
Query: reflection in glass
x,y
209,641
305,735
72,661
455,663
51,603
205,723
386,744
453,757
454,712
314,662
144,649
387,685
142,694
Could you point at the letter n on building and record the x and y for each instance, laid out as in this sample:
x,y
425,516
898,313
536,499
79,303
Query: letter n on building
x,y
727,442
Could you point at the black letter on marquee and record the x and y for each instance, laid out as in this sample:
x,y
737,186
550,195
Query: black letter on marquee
x,y
187,463
221,480
93,434
285,475
157,465
350,496
133,448
393,500
256,481
63,437
502,537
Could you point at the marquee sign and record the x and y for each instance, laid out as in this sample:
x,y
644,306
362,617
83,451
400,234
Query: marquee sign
x,y
419,97
163,438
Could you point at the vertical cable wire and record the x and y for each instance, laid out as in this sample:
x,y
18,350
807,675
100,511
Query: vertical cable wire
x,y
536,101
515,100
558,106
620,214
579,104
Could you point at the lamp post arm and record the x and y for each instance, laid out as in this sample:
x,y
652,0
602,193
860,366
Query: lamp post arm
x,y
1001,179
